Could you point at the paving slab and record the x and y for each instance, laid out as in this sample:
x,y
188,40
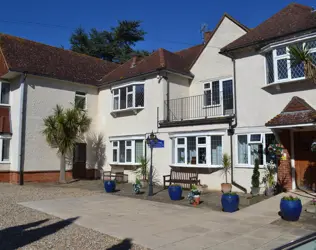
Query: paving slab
x,y
167,226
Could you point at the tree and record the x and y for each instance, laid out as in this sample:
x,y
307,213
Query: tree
x,y
301,55
63,129
255,175
115,45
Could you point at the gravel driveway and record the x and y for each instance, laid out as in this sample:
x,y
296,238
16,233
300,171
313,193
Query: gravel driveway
x,y
24,228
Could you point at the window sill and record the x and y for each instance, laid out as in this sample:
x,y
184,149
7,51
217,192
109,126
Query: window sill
x,y
194,166
5,105
4,162
135,110
289,86
124,164
248,166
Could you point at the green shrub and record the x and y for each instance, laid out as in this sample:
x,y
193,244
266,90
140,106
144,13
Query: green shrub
x,y
256,175
290,198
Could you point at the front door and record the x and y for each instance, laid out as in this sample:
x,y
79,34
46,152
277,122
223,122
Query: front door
x,y
79,161
305,160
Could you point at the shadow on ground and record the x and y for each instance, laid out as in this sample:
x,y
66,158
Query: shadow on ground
x,y
22,235
126,244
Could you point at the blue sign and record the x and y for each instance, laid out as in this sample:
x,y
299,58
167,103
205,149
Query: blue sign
x,y
158,144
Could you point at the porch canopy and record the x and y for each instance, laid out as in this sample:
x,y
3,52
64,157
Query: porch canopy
x,y
297,113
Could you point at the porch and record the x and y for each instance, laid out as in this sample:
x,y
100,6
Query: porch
x,y
208,108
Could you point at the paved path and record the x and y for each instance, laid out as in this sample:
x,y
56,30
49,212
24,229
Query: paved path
x,y
166,226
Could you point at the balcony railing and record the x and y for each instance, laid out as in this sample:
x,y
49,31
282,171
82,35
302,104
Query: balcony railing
x,y
197,107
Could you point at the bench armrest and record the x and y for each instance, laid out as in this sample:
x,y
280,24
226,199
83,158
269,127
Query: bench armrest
x,y
193,178
167,176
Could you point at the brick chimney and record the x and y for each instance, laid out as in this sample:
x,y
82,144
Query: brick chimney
x,y
207,36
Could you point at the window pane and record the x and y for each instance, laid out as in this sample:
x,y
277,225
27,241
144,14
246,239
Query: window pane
x,y
282,69
114,155
181,157
297,71
207,98
202,155
80,101
116,91
242,149
311,44
122,151
202,140
270,71
139,96
191,150
181,141
256,152
129,88
255,137
123,98
270,139
139,147
5,92
128,143
6,150
116,103
313,56
115,144
216,150
207,86
281,51
215,93
128,155
130,100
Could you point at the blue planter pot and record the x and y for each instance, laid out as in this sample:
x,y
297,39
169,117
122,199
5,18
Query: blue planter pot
x,y
291,210
230,202
175,192
109,186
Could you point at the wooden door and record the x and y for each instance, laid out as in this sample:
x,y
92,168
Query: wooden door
x,y
305,160
79,161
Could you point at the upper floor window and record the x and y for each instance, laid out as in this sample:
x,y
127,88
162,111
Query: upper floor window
x,y
254,146
127,151
131,96
80,100
278,64
5,149
5,92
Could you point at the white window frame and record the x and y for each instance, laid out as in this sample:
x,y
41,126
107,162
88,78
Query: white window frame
x,y
133,93
263,142
207,145
5,104
276,58
7,137
253,141
82,94
220,82
132,147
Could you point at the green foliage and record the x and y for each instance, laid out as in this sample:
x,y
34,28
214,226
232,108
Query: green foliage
x,y
256,175
291,198
115,45
137,182
269,173
225,170
230,193
64,128
142,170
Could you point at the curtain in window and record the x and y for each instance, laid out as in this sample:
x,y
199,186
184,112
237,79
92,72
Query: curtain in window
x,y
242,149
139,148
216,150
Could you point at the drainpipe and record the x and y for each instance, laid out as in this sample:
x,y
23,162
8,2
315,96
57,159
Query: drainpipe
x,y
21,131
231,133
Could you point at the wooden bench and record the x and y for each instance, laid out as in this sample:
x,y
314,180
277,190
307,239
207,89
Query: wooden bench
x,y
182,177
117,176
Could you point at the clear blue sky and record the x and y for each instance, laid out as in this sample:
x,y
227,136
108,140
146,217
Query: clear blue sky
x,y
170,24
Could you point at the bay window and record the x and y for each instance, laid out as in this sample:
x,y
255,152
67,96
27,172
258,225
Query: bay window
x,y
128,97
278,63
254,146
127,151
197,150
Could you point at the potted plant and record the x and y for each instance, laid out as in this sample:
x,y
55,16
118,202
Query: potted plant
x,y
194,195
137,186
141,171
226,187
230,202
109,186
175,192
268,179
276,149
291,208
255,189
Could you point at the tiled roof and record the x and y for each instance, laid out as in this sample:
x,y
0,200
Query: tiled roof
x,y
161,59
292,19
298,111
39,59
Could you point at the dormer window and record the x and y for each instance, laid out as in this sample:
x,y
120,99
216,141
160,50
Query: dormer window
x,y
278,64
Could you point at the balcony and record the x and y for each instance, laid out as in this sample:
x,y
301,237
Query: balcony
x,y
208,108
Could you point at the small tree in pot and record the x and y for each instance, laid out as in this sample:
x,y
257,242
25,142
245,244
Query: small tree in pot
x,y
141,171
255,179
226,161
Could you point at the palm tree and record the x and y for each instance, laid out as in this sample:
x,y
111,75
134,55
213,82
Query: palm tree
x,y
63,129
301,55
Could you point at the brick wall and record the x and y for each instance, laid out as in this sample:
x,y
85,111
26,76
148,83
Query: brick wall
x,y
52,176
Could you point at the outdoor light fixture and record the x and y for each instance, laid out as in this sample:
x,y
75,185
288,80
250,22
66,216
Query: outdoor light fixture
x,y
151,140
